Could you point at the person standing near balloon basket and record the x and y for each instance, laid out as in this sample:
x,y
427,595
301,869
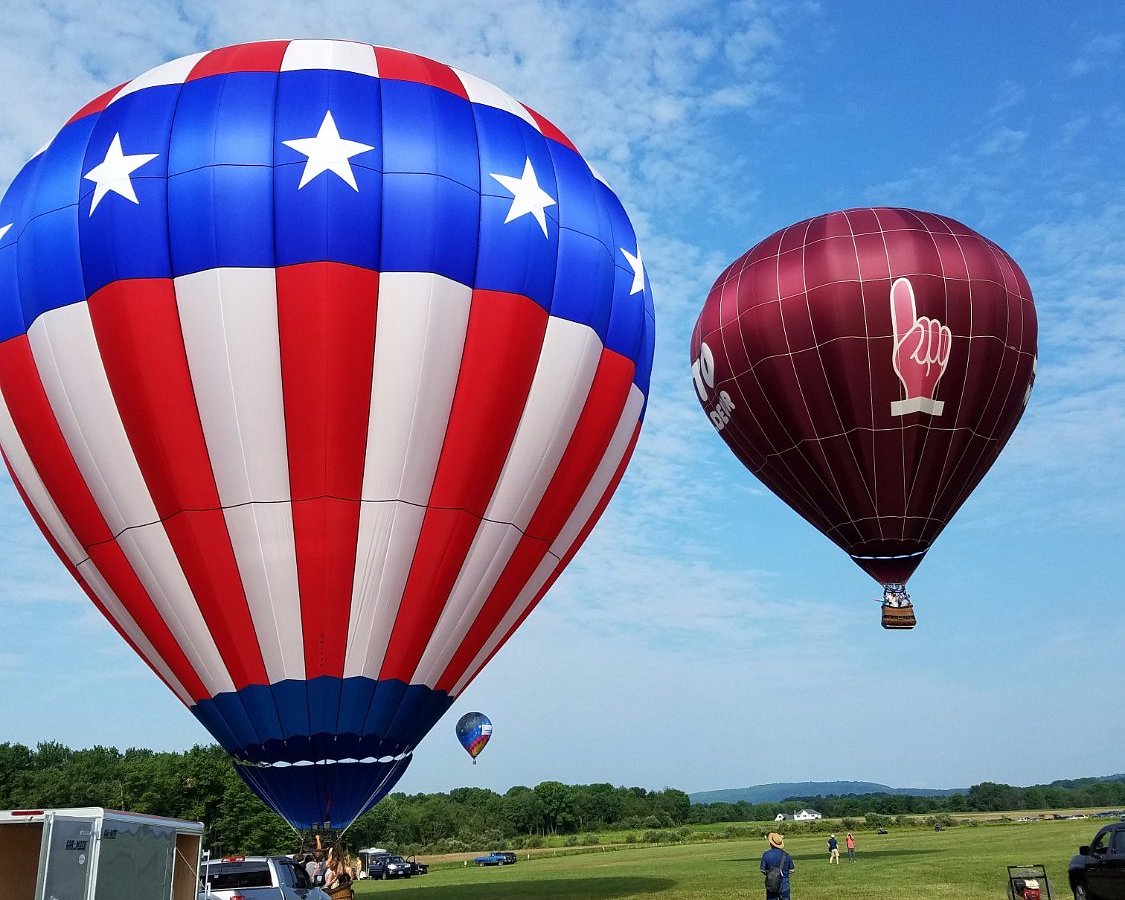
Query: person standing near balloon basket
x,y
777,865
338,877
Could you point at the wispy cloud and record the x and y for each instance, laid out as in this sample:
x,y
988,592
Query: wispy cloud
x,y
1099,53
1002,140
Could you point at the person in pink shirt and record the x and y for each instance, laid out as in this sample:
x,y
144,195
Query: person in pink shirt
x,y
850,841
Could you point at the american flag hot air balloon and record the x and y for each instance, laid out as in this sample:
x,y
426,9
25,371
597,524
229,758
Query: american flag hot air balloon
x,y
318,362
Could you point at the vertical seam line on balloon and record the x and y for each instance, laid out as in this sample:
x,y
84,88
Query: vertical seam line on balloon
x,y
284,432
831,394
870,375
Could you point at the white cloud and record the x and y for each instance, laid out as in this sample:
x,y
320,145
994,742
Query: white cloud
x,y
1010,95
1099,53
1002,140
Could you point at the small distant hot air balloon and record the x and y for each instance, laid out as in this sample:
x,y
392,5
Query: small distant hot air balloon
x,y
868,366
473,731
318,363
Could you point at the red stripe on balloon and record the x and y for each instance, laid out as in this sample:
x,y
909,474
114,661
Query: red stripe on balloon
x,y
549,129
403,66
569,555
593,431
77,576
97,104
502,345
45,445
326,322
137,326
260,56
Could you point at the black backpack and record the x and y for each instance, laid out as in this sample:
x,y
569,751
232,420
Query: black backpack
x,y
773,876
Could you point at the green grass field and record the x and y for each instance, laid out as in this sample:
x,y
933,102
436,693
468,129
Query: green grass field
x,y
961,863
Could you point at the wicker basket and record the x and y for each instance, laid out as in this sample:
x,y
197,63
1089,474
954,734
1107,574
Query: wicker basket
x,y
898,617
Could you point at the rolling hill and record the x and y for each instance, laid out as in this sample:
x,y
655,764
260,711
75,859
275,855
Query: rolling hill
x,y
775,793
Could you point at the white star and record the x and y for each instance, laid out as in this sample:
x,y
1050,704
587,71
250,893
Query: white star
x,y
527,196
112,173
328,152
4,229
638,266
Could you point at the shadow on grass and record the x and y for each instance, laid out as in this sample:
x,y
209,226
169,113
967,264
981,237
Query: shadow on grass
x,y
605,888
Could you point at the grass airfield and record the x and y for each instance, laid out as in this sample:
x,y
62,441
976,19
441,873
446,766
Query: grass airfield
x,y
965,862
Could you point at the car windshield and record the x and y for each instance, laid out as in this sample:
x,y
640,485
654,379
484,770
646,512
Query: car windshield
x,y
228,876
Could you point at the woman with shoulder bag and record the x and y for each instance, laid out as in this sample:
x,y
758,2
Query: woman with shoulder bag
x,y
338,877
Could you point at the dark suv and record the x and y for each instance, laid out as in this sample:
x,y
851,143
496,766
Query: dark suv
x,y
387,866
1098,871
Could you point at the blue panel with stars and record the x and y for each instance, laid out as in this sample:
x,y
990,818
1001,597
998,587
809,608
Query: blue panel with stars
x,y
631,289
305,97
123,219
627,320
519,231
327,181
516,257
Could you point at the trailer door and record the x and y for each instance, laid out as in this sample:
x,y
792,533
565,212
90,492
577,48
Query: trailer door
x,y
70,850
134,860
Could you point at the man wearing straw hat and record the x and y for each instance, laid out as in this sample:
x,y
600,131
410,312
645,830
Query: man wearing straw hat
x,y
776,866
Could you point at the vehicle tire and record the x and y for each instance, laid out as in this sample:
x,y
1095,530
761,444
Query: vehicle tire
x,y
1080,892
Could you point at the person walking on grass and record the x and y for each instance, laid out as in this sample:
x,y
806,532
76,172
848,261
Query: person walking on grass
x,y
777,865
850,841
833,850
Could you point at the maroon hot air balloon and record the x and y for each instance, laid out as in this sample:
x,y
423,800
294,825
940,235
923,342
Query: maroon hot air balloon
x,y
868,366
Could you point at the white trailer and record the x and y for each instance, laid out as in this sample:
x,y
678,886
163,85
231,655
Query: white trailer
x,y
93,853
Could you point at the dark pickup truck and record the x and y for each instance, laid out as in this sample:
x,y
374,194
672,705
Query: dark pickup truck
x,y
1098,871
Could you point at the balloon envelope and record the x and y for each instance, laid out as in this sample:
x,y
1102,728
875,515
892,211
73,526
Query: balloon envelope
x,y
868,366
318,362
474,730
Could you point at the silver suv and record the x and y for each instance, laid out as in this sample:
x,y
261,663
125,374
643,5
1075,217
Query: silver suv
x,y
256,878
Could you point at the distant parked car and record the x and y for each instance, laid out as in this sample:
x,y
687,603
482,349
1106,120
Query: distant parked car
x,y
882,831
496,858
256,878
385,866
1098,871
417,868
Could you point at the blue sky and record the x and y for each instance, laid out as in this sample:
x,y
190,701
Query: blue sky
x,y
706,636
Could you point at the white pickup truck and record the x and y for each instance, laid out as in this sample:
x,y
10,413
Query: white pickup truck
x,y
256,878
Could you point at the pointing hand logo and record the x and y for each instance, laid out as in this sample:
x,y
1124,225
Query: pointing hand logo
x,y
921,353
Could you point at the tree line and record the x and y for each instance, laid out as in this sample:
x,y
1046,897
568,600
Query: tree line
x,y
201,785
984,797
